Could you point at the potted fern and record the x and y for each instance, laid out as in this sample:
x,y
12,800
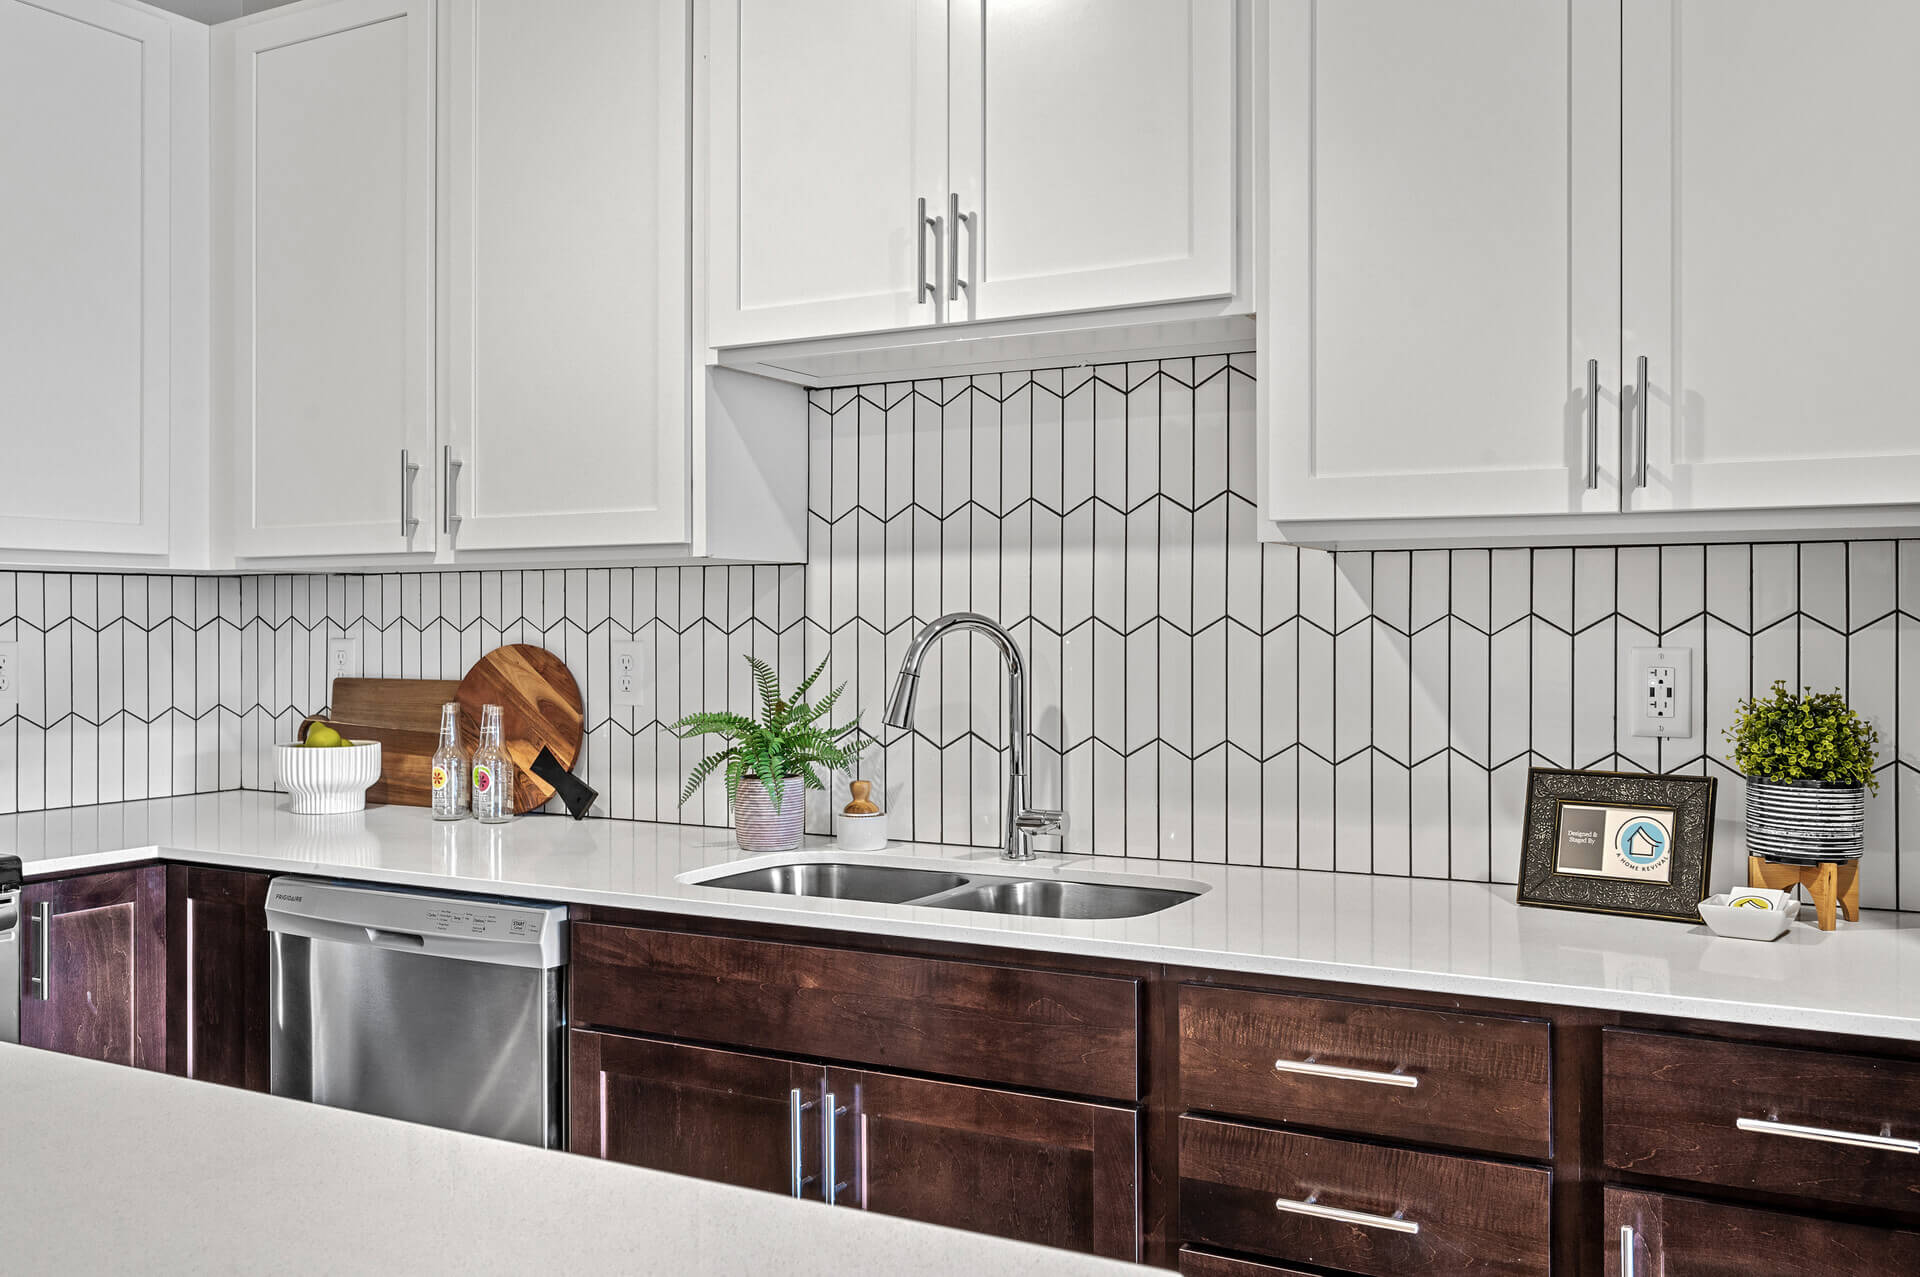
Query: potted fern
x,y
1808,758
768,763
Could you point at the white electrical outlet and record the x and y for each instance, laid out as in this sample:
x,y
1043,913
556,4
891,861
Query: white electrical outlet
x,y
343,657
9,676
1661,691
632,671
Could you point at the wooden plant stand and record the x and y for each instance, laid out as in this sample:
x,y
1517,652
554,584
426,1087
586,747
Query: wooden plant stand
x,y
1835,888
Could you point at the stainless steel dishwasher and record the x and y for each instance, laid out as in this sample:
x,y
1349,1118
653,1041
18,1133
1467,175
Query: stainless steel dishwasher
x,y
10,945
444,1010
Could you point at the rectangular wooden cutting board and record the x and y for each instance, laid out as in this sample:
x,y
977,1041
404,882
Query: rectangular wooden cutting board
x,y
403,714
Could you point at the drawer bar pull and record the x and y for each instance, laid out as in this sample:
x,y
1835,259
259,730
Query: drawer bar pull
x,y
1392,1223
1377,1077
1885,1143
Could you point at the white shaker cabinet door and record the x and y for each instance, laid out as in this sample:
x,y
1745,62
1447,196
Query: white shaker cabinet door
x,y
85,171
1093,155
1442,195
565,324
325,121
828,127
1771,257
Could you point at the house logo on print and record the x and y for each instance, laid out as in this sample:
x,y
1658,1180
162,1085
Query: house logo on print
x,y
1642,842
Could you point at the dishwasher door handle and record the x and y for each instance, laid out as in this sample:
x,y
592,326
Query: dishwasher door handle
x,y
394,939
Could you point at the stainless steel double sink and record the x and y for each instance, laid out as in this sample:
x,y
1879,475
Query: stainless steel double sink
x,y
949,889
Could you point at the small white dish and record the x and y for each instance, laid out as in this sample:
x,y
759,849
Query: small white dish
x,y
861,833
327,782
1766,919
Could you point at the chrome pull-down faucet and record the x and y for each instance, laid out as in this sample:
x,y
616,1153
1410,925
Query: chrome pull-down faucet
x,y
1024,821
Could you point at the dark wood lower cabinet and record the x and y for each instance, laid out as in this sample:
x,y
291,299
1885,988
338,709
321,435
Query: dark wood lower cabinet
x,y
93,974
217,970
1198,1263
1057,1172
1364,1208
716,1115
1669,1235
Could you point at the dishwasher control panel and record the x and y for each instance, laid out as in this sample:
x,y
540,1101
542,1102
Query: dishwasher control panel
x,y
505,932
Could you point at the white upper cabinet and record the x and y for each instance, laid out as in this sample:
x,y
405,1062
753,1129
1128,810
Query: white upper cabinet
x,y
1442,240
1772,196
829,128
1092,155
86,295
880,165
564,327
326,117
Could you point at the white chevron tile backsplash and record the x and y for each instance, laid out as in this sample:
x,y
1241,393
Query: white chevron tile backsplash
x,y
1196,695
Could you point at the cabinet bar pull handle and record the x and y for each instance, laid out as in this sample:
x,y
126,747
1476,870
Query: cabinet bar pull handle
x,y
795,1107
451,469
1885,1143
41,981
1626,1250
1375,1076
1392,1223
407,470
1646,396
929,288
830,1112
1593,424
955,220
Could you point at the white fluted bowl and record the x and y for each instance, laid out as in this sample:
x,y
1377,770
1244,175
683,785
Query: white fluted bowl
x,y
326,782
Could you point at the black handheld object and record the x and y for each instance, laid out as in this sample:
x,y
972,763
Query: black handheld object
x,y
577,794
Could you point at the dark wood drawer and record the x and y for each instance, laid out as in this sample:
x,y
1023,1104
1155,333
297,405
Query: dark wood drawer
x,y
1438,1077
1042,1030
1707,1239
1471,1216
1674,1107
1198,1263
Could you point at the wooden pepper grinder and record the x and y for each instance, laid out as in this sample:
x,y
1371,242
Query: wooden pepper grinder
x,y
862,804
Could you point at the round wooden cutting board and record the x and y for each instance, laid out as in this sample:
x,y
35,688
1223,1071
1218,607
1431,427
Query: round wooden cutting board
x,y
539,706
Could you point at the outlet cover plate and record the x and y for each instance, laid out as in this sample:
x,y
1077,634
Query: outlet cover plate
x,y
10,673
343,658
1660,691
631,672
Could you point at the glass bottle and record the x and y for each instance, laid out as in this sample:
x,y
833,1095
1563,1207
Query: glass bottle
x,y
449,768
492,772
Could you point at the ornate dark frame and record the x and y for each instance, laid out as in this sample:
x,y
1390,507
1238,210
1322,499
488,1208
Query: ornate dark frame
x,y
1676,900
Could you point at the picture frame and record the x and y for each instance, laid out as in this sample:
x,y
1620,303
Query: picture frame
x,y
1629,843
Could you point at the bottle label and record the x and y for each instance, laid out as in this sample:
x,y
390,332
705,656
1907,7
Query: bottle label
x,y
439,777
482,779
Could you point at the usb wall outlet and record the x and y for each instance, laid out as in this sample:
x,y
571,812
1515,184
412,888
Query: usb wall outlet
x,y
1661,690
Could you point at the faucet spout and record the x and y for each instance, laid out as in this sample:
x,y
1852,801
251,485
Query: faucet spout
x,y
1023,821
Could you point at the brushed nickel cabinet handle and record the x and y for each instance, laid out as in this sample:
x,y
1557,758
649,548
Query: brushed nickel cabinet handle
x,y
408,468
1821,1134
1593,424
1626,1250
1646,396
929,288
955,220
830,1113
795,1107
1365,1219
1375,1076
449,497
40,983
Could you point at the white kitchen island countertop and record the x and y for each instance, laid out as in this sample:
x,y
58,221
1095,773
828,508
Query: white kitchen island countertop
x,y
106,1169
1378,932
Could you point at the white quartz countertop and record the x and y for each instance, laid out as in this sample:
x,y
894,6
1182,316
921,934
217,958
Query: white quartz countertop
x,y
107,1169
1391,933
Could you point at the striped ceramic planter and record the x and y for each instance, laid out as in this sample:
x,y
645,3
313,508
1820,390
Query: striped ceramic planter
x,y
1806,821
760,826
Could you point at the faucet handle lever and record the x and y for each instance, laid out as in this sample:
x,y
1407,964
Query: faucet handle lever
x,y
1041,821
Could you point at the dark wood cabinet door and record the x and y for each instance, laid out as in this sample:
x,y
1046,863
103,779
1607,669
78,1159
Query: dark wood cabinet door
x,y
1051,1171
93,976
217,965
716,1115
1673,1235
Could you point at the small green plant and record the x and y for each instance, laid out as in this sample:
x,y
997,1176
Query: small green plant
x,y
786,743
1807,736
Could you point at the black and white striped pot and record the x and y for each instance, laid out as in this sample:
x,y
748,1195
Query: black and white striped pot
x,y
760,826
1806,821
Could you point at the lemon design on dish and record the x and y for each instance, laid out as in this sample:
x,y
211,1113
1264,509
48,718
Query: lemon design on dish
x,y
1750,902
